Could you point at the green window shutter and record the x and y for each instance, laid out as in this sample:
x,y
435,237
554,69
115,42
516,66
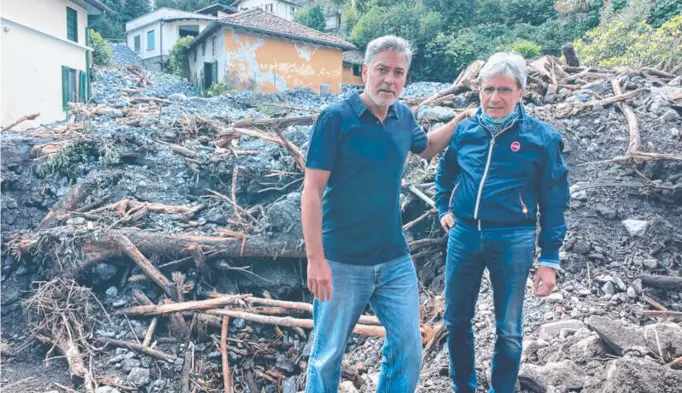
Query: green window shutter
x,y
71,24
87,77
65,88
215,72
82,86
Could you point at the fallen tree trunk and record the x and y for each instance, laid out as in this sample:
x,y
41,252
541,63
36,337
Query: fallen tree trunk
x,y
135,100
607,101
464,82
662,282
265,124
99,247
363,330
179,307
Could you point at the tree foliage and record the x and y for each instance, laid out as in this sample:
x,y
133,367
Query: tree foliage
x,y
101,52
311,16
110,27
663,11
618,43
135,8
448,35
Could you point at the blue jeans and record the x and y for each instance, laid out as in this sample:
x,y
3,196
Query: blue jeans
x,y
508,254
391,289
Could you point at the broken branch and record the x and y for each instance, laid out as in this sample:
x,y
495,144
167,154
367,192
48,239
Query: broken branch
x,y
147,267
19,121
184,306
662,282
138,348
363,330
227,378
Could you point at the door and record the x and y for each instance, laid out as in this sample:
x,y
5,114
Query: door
x,y
210,74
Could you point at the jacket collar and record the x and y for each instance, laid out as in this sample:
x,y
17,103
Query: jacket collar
x,y
359,107
522,113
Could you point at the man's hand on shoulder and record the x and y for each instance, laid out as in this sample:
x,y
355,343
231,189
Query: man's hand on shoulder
x,y
438,139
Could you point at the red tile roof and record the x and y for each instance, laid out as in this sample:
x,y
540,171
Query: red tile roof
x,y
354,57
258,20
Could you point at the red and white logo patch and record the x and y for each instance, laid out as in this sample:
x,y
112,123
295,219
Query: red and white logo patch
x,y
515,146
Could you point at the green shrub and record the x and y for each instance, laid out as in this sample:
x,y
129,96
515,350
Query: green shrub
x,y
179,56
528,49
218,89
101,51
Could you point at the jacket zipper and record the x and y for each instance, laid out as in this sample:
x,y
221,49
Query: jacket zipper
x,y
452,195
525,209
487,166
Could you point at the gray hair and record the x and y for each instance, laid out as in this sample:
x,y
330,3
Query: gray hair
x,y
388,43
503,63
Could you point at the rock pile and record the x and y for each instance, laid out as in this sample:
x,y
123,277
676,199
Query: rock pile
x,y
181,213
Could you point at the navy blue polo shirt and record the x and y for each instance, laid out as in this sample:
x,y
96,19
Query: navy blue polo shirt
x,y
361,222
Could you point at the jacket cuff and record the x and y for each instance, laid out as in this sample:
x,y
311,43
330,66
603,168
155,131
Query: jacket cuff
x,y
554,264
549,254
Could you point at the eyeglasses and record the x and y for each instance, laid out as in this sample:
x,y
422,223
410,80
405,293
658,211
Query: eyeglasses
x,y
503,91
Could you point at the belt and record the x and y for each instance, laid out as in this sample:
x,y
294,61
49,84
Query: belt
x,y
483,224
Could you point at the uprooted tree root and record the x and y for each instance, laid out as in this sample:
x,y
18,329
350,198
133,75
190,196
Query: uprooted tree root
x,y
58,252
63,314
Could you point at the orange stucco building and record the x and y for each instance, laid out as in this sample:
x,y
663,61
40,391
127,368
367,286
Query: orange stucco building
x,y
352,67
257,50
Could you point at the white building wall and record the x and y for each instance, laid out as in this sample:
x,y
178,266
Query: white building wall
x,y
34,49
279,8
162,13
48,16
166,35
142,31
196,67
171,32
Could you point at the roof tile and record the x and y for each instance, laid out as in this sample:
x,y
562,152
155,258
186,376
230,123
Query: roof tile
x,y
256,18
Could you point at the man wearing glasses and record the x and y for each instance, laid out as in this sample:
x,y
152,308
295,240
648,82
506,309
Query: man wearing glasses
x,y
501,170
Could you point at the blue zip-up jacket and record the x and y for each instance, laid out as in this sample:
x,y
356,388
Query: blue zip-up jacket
x,y
507,179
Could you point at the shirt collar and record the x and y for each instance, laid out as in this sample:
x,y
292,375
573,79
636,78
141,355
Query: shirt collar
x,y
359,107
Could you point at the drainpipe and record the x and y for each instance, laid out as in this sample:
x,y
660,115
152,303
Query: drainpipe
x,y
161,43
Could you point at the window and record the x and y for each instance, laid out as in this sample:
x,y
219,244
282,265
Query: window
x,y
213,45
150,40
357,70
137,43
268,7
74,86
293,9
188,30
71,24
